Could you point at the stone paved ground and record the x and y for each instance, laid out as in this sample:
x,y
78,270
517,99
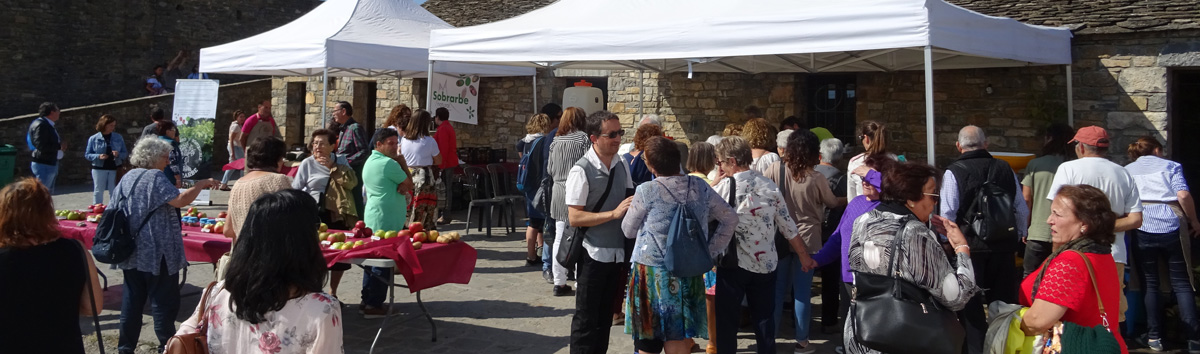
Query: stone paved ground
x,y
507,307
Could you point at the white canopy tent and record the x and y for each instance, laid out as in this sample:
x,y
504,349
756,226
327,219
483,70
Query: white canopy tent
x,y
346,38
758,36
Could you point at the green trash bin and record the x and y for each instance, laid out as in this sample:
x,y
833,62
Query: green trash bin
x,y
8,162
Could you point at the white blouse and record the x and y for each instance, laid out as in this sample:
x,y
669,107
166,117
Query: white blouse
x,y
311,323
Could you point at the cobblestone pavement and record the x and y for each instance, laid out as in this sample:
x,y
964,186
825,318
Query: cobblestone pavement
x,y
506,308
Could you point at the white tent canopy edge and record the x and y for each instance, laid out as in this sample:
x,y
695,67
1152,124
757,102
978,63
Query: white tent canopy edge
x,y
807,36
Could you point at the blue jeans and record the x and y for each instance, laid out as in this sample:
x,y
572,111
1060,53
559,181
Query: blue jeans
x,y
1151,249
789,276
45,173
238,152
163,292
103,180
548,245
374,291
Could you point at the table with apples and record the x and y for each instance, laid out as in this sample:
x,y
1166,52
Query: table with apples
x,y
425,259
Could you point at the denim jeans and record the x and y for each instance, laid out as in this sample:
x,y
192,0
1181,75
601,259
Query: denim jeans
x,y
374,291
238,152
789,276
163,292
45,173
103,180
1151,249
548,237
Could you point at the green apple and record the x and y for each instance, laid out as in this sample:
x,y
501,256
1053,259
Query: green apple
x,y
336,245
322,228
390,234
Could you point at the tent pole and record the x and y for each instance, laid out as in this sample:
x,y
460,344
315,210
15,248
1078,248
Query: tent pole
x,y
1070,98
429,86
929,138
535,105
324,94
641,92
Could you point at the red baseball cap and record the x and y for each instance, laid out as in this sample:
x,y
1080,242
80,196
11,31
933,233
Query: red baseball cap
x,y
1091,135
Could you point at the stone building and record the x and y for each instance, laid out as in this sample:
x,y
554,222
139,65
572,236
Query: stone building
x,y
82,52
1136,64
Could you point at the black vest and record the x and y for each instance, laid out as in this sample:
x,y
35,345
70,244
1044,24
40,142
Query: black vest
x,y
970,171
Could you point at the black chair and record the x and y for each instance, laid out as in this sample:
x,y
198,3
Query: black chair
x,y
475,180
504,188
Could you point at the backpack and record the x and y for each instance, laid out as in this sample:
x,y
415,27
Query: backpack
x,y
687,241
113,242
529,170
990,216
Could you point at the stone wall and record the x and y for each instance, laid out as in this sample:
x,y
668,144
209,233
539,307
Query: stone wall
x,y
76,124
82,52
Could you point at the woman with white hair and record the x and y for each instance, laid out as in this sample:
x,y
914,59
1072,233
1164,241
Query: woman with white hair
x,y
151,202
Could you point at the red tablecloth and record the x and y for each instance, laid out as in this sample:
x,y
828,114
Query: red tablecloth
x,y
436,264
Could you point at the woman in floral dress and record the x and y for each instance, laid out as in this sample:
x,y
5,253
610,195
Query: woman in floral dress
x,y
662,310
271,300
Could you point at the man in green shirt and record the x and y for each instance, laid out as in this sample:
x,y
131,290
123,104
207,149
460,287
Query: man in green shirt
x,y
383,181
1039,176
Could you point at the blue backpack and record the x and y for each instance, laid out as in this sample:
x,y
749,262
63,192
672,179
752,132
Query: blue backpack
x,y
687,242
529,170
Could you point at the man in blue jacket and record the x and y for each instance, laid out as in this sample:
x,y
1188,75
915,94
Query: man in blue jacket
x,y
45,145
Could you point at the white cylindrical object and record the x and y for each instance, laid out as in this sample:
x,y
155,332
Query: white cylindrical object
x,y
590,99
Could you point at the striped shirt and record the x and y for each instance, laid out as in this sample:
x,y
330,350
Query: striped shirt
x,y
1158,180
565,151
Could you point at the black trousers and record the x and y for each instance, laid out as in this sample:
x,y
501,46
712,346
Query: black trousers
x,y
599,284
1036,253
831,291
759,290
995,273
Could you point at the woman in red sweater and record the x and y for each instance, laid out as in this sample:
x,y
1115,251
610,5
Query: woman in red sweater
x,y
1061,289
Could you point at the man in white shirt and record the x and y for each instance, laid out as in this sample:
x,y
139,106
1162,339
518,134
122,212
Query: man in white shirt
x,y
601,178
1093,169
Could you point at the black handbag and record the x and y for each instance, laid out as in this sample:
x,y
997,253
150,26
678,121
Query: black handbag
x,y
570,249
114,242
888,313
728,259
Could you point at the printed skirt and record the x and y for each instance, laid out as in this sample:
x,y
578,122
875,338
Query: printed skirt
x,y
660,306
425,199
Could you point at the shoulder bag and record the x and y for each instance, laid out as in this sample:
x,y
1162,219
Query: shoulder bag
x,y
570,249
728,259
1070,338
193,343
888,313
87,273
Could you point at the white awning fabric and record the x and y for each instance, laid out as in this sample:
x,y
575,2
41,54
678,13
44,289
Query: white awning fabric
x,y
753,36
360,38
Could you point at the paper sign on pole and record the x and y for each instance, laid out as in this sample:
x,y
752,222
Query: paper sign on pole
x,y
459,94
194,113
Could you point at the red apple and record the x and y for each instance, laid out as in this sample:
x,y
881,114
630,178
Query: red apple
x,y
419,237
222,215
360,225
416,227
404,233
332,238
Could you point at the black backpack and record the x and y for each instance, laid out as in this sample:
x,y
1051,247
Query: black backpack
x,y
113,242
990,216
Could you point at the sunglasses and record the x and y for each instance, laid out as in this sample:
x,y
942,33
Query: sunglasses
x,y
613,135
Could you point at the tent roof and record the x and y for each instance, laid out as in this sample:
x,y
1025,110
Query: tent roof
x,y
351,38
754,36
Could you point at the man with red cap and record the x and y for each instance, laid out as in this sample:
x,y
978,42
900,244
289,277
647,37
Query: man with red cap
x,y
1094,169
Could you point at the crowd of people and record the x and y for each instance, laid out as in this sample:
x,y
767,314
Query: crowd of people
x,y
772,206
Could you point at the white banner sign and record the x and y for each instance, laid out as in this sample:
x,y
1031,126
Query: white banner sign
x,y
459,94
194,113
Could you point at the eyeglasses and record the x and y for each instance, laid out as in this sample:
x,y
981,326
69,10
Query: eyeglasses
x,y
613,135
861,137
936,197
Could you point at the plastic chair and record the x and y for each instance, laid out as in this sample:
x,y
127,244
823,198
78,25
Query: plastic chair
x,y
475,180
505,188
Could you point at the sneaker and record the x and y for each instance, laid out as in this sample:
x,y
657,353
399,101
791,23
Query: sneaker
x,y
618,319
562,290
1194,347
839,350
805,349
548,275
374,312
533,262
1154,344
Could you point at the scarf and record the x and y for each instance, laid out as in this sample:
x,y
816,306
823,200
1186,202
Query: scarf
x,y
1082,244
